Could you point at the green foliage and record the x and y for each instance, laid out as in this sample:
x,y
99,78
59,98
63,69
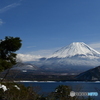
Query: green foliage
x,y
7,48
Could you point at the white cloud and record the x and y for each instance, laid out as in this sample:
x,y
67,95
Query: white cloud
x,y
35,55
1,22
6,8
95,46
28,57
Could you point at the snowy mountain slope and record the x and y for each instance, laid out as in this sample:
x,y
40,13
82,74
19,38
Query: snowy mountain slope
x,y
23,66
76,48
73,58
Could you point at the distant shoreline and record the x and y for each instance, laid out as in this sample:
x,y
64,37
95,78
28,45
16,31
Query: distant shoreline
x,y
62,81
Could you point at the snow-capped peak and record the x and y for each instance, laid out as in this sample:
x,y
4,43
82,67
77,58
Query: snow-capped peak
x,y
76,48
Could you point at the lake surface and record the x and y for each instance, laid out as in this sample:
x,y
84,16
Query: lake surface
x,y
47,87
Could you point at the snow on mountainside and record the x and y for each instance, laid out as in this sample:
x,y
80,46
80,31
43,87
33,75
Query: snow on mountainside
x,y
23,66
76,57
76,48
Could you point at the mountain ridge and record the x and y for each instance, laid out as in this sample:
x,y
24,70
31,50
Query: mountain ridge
x,y
76,48
76,57
89,75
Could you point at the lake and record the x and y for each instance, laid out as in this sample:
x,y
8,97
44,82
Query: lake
x,y
47,87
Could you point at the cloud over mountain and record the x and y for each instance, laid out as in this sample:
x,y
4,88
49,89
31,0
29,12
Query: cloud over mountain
x,y
27,57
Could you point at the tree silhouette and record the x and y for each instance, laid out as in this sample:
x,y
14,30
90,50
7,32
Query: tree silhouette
x,y
8,47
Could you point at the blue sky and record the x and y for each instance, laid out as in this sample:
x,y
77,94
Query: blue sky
x,y
46,25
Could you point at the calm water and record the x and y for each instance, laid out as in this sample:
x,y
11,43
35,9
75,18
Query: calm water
x,y
47,87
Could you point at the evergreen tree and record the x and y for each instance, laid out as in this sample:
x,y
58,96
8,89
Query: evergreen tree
x,y
8,47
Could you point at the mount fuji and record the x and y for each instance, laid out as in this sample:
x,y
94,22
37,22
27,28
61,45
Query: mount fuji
x,y
76,48
74,58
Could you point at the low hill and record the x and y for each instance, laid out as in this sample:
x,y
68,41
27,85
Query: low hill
x,y
90,75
